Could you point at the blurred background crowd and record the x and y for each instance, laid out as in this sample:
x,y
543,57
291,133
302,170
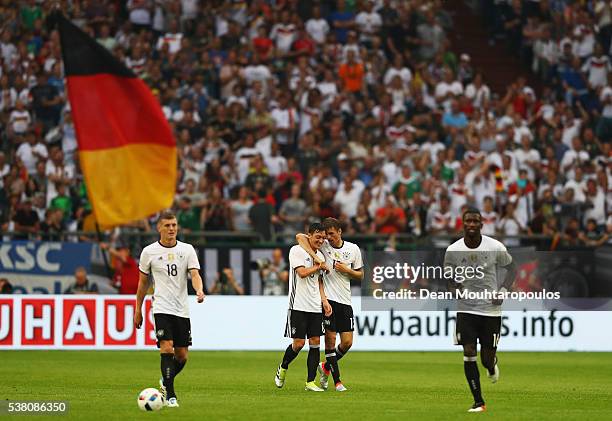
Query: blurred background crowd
x,y
290,111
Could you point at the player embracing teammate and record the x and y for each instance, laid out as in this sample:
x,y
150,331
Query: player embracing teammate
x,y
340,262
306,302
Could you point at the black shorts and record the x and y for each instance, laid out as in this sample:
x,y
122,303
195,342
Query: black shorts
x,y
303,324
169,327
471,328
341,319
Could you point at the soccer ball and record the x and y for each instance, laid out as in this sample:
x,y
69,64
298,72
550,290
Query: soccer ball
x,y
150,400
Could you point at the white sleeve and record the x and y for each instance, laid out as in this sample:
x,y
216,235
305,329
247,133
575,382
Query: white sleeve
x,y
387,78
503,258
274,32
192,259
297,257
357,262
309,28
43,151
586,66
144,263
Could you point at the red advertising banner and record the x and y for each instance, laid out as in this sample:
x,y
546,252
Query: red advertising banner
x,y
6,322
37,321
79,322
119,322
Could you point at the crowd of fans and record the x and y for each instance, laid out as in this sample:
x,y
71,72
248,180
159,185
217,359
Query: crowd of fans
x,y
290,111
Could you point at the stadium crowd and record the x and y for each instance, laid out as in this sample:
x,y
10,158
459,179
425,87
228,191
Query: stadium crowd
x,y
288,111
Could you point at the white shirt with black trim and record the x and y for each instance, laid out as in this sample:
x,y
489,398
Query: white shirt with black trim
x,y
168,267
304,293
337,285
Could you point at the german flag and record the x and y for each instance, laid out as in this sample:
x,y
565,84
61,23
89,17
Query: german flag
x,y
126,148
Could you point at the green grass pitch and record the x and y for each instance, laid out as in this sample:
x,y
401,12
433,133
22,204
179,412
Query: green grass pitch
x,y
382,385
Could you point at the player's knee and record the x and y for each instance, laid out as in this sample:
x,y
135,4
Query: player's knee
x,y
181,357
314,341
166,347
469,350
298,344
330,341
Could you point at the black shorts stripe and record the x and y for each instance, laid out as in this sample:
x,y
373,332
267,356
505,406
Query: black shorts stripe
x,y
288,324
294,287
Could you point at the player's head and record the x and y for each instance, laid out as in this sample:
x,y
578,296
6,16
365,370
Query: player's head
x,y
333,230
316,232
167,227
472,222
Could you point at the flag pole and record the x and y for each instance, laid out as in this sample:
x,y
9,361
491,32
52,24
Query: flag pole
x,y
104,256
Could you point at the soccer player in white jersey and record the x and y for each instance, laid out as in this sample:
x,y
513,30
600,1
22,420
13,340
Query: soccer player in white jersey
x,y
344,259
167,262
479,319
306,298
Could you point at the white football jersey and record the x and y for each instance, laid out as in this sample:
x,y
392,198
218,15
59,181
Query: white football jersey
x,y
338,285
489,255
304,293
168,267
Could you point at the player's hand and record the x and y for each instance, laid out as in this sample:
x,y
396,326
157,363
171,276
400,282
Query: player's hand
x,y
341,267
323,267
327,310
499,301
200,295
138,319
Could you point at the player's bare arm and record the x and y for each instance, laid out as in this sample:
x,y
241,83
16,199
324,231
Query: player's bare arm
x,y
510,276
302,240
306,272
143,285
198,285
327,309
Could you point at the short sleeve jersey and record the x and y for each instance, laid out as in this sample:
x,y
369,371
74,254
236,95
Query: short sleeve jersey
x,y
338,285
489,255
168,267
303,292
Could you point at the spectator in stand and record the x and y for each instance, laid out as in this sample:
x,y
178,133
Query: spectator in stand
x,y
125,276
374,86
81,284
189,216
226,284
293,212
5,286
240,209
52,227
262,216
352,73
274,275
390,219
26,221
